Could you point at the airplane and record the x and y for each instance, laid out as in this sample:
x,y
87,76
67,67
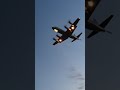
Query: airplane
x,y
93,25
66,34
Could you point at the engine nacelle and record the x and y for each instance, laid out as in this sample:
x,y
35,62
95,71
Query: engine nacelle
x,y
54,39
58,30
70,22
58,36
66,27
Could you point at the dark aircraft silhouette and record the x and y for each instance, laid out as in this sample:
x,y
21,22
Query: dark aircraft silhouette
x,y
90,6
66,34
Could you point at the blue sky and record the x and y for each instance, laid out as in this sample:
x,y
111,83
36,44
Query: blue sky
x,y
54,65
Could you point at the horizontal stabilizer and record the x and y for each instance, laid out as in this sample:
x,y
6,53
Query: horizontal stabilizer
x,y
77,38
79,35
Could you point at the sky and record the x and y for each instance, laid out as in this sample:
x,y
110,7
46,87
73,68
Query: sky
x,y
59,67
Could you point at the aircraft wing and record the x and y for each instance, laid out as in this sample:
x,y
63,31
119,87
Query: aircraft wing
x,y
76,22
73,26
60,39
92,34
90,6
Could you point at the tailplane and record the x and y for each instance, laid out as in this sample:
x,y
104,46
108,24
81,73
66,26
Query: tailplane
x,y
77,38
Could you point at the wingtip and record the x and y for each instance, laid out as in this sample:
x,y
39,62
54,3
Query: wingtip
x,y
78,18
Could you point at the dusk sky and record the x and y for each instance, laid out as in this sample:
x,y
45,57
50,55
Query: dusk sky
x,y
59,67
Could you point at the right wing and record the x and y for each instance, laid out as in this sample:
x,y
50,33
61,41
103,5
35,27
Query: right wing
x,y
90,6
92,34
75,37
59,39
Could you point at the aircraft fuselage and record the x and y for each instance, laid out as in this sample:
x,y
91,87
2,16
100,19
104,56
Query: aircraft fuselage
x,y
66,35
94,27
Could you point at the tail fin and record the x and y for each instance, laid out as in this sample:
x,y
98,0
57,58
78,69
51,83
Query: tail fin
x,y
104,23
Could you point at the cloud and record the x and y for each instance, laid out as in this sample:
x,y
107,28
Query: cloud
x,y
72,69
77,77
81,87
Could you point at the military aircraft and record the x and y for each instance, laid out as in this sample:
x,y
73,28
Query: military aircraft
x,y
66,34
93,25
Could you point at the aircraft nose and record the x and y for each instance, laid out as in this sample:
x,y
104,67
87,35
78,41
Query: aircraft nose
x,y
53,28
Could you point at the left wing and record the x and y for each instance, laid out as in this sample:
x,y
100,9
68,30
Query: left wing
x,y
92,34
74,36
